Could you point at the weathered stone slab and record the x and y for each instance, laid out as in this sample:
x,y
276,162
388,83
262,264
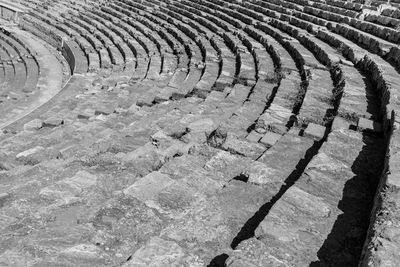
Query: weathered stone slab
x,y
148,187
315,131
274,119
86,114
35,155
53,121
254,137
270,138
227,165
243,147
33,125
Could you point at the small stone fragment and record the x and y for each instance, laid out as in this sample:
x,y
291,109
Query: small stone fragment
x,y
243,147
218,137
254,137
315,131
270,138
86,114
29,152
33,125
53,122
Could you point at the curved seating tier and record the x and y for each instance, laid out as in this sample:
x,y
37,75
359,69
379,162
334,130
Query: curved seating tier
x,y
202,133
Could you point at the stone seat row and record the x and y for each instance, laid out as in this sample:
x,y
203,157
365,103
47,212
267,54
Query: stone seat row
x,y
369,64
239,105
20,68
289,112
312,23
296,23
211,56
186,52
235,24
312,64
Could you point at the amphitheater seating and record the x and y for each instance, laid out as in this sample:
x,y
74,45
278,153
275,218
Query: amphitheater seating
x,y
200,133
20,68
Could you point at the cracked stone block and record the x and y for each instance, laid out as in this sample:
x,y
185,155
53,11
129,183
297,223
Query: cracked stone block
x,y
86,114
227,165
148,187
33,125
145,100
254,137
243,147
217,137
53,121
315,131
369,125
275,119
30,155
260,174
270,138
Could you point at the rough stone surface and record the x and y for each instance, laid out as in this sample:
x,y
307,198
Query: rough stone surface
x,y
254,137
148,187
200,133
53,121
315,131
33,125
270,138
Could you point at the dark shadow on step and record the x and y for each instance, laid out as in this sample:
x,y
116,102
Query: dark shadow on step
x,y
251,225
344,243
218,261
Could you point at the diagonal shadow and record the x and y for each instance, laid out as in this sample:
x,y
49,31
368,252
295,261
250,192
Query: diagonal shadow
x,y
343,245
251,225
